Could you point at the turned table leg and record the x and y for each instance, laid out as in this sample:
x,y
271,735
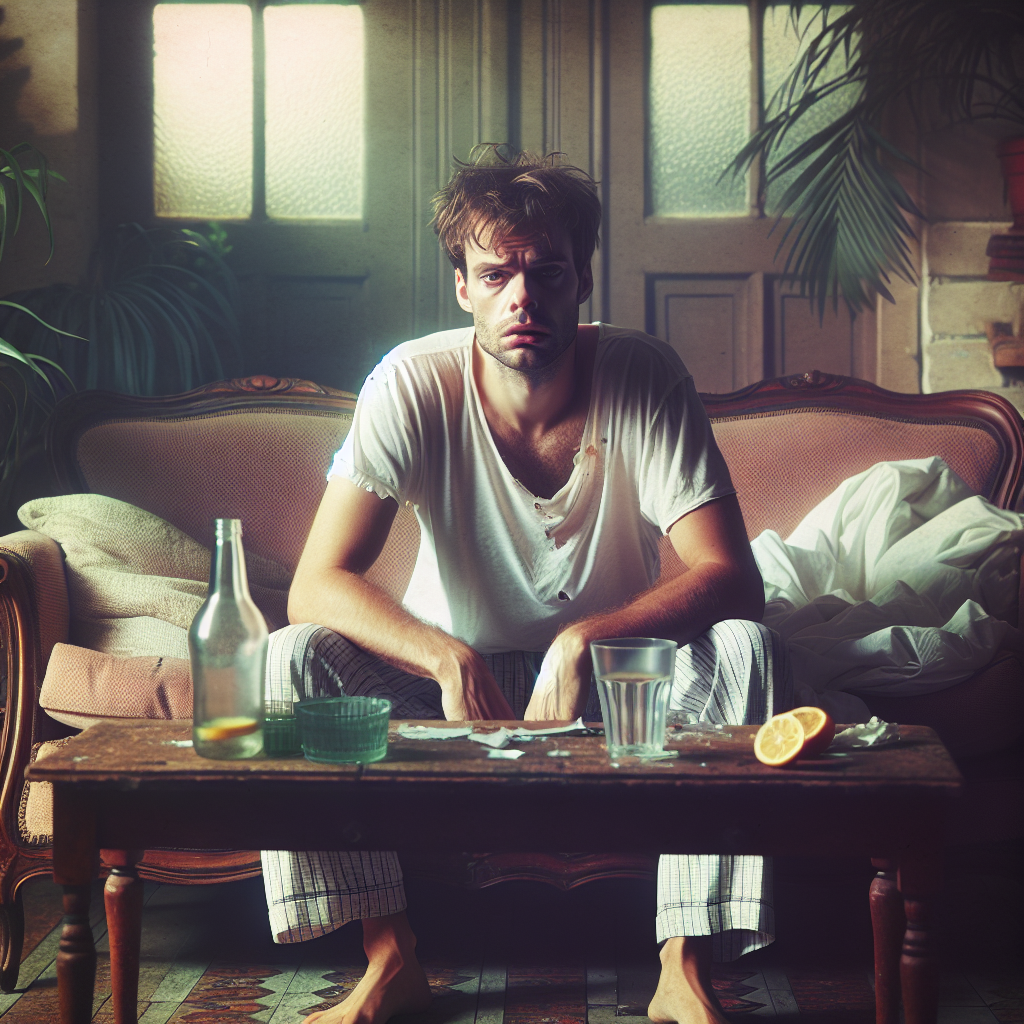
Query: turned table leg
x,y
919,882
888,925
74,868
76,958
122,897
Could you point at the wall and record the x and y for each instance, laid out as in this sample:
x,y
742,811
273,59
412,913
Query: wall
x,y
931,339
963,197
47,99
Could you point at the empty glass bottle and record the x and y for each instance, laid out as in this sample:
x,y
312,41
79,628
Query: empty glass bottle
x,y
227,645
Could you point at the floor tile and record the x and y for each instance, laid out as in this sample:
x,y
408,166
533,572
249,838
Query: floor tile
x,y
601,985
956,990
965,1015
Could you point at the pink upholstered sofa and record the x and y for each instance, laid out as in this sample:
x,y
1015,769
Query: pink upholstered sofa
x,y
258,449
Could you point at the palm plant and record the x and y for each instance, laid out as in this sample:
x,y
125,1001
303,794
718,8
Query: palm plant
x,y
30,383
944,61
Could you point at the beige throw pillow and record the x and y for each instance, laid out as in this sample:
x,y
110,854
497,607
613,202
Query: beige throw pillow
x,y
135,582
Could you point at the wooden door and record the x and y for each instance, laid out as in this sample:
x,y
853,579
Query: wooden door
x,y
708,285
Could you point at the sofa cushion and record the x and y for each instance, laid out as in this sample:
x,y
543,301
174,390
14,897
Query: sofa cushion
x,y
135,582
784,462
83,687
266,466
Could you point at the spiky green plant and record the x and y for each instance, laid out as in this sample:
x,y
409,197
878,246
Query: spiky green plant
x,y
30,383
945,61
158,313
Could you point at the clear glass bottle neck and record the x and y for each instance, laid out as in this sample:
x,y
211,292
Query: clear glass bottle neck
x,y
227,567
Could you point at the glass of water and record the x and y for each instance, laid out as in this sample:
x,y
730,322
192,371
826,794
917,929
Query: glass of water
x,y
634,678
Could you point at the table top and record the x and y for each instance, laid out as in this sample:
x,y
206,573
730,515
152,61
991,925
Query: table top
x,y
123,754
149,790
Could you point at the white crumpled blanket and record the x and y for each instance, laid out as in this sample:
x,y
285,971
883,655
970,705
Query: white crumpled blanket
x,y
899,582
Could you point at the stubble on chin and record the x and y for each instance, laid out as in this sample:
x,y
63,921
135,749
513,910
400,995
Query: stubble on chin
x,y
536,366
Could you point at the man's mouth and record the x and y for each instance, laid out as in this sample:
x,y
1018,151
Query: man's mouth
x,y
526,332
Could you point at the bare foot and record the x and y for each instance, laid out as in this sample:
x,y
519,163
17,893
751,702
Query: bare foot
x,y
393,983
684,992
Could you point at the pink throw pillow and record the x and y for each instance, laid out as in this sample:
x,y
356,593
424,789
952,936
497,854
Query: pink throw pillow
x,y
83,687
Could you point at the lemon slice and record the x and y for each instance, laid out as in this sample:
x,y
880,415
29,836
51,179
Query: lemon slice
x,y
779,740
819,729
225,728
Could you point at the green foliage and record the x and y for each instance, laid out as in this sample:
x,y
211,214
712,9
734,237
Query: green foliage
x,y
158,314
30,383
17,182
946,61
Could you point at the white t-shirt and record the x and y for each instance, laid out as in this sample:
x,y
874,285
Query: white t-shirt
x,y
499,567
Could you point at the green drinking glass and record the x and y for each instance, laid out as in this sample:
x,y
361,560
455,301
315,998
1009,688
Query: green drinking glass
x,y
337,730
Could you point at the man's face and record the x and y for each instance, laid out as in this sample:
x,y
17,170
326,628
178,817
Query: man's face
x,y
524,279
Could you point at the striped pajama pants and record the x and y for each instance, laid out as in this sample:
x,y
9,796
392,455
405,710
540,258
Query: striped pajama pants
x,y
735,674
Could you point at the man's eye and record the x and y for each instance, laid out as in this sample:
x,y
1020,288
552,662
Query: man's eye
x,y
491,276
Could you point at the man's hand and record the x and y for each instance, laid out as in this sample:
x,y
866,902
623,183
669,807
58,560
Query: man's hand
x,y
469,692
563,683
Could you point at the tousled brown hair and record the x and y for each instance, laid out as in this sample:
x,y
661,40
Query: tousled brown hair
x,y
500,193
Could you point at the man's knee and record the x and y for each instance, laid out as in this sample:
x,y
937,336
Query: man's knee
x,y
744,634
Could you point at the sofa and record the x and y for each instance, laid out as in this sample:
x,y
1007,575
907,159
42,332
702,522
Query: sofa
x,y
258,449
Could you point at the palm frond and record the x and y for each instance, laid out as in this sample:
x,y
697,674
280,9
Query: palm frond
x,y
947,60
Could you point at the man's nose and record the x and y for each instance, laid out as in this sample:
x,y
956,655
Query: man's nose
x,y
522,294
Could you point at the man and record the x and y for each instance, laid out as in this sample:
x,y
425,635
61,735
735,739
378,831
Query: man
x,y
544,461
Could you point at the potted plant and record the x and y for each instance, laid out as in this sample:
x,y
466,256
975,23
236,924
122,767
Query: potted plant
x,y
944,62
30,383
157,313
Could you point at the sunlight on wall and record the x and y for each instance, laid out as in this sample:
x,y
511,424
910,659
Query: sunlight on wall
x,y
782,46
47,99
314,104
699,107
202,107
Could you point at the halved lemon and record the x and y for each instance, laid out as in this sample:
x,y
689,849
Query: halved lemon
x,y
779,740
225,728
819,730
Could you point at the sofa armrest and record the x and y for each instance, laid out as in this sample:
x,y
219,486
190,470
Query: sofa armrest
x,y
33,617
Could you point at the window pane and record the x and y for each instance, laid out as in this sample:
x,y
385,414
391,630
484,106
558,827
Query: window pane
x,y
699,107
782,46
314,98
202,110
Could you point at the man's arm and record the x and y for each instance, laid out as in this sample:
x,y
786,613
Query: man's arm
x,y
721,581
348,533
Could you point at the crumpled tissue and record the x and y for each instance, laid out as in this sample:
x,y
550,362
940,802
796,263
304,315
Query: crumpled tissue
x,y
498,739
873,733
432,732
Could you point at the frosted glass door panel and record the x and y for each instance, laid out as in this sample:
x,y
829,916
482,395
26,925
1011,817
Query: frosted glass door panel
x,y
314,108
202,100
699,104
784,42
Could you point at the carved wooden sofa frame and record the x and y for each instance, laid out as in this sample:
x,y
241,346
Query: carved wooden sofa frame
x,y
789,442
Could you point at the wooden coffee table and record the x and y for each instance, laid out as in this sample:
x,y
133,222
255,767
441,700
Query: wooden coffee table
x,y
124,787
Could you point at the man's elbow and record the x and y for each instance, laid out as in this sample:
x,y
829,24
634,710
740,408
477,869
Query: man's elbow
x,y
745,594
301,604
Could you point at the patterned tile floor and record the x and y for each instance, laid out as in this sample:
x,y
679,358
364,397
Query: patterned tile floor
x,y
527,954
